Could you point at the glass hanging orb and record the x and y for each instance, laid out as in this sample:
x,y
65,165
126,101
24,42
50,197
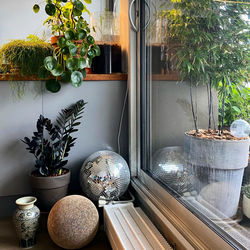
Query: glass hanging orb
x,y
240,128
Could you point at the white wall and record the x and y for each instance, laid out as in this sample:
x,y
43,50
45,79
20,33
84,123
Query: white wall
x,y
17,19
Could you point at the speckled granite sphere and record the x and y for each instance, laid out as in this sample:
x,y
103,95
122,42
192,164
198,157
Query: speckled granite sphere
x,y
73,222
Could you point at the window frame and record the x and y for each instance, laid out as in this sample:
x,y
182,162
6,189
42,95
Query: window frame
x,y
165,210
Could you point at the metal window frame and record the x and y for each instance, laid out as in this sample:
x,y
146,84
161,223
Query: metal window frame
x,y
182,227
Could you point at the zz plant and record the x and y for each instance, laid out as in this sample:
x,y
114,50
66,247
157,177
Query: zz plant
x,y
51,143
75,48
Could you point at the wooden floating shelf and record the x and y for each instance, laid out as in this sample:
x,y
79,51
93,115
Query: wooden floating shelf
x,y
89,77
172,76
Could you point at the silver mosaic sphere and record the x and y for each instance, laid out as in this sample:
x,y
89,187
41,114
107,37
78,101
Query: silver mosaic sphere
x,y
104,174
168,167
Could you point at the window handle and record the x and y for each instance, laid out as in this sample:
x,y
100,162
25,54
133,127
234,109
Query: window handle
x,y
130,16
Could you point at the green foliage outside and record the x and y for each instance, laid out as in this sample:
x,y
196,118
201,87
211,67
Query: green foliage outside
x,y
213,39
237,105
26,55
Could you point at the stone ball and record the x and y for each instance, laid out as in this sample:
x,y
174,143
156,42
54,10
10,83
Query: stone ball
x,y
73,222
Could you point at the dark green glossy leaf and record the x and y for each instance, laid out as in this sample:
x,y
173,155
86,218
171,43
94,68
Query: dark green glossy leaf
x,y
53,85
77,12
68,43
50,9
61,42
57,71
78,5
50,63
91,53
82,63
69,34
90,39
72,64
76,78
73,49
66,76
65,50
83,51
36,8
97,50
82,34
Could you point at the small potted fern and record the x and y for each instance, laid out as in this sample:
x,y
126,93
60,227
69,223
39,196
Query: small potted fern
x,y
246,200
50,145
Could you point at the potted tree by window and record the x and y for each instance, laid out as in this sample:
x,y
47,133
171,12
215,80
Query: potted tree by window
x,y
74,47
50,145
214,51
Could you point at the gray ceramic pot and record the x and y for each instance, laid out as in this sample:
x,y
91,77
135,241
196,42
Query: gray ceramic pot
x,y
26,221
49,190
218,167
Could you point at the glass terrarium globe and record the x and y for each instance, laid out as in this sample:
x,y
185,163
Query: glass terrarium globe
x,y
104,174
240,128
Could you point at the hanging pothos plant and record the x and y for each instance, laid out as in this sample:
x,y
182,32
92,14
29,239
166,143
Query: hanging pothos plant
x,y
74,48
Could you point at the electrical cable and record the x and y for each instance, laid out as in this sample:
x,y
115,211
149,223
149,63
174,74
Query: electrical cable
x,y
121,120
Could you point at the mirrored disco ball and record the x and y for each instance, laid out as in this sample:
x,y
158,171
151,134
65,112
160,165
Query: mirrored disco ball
x,y
168,167
104,174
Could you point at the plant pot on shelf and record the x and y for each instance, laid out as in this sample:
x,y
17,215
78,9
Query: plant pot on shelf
x,y
246,206
49,190
54,40
109,61
218,167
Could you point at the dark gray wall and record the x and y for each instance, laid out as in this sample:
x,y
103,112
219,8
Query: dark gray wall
x,y
171,112
98,130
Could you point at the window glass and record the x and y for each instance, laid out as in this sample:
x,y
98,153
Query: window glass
x,y
194,86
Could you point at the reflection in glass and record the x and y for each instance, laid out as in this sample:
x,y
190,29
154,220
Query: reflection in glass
x,y
204,174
